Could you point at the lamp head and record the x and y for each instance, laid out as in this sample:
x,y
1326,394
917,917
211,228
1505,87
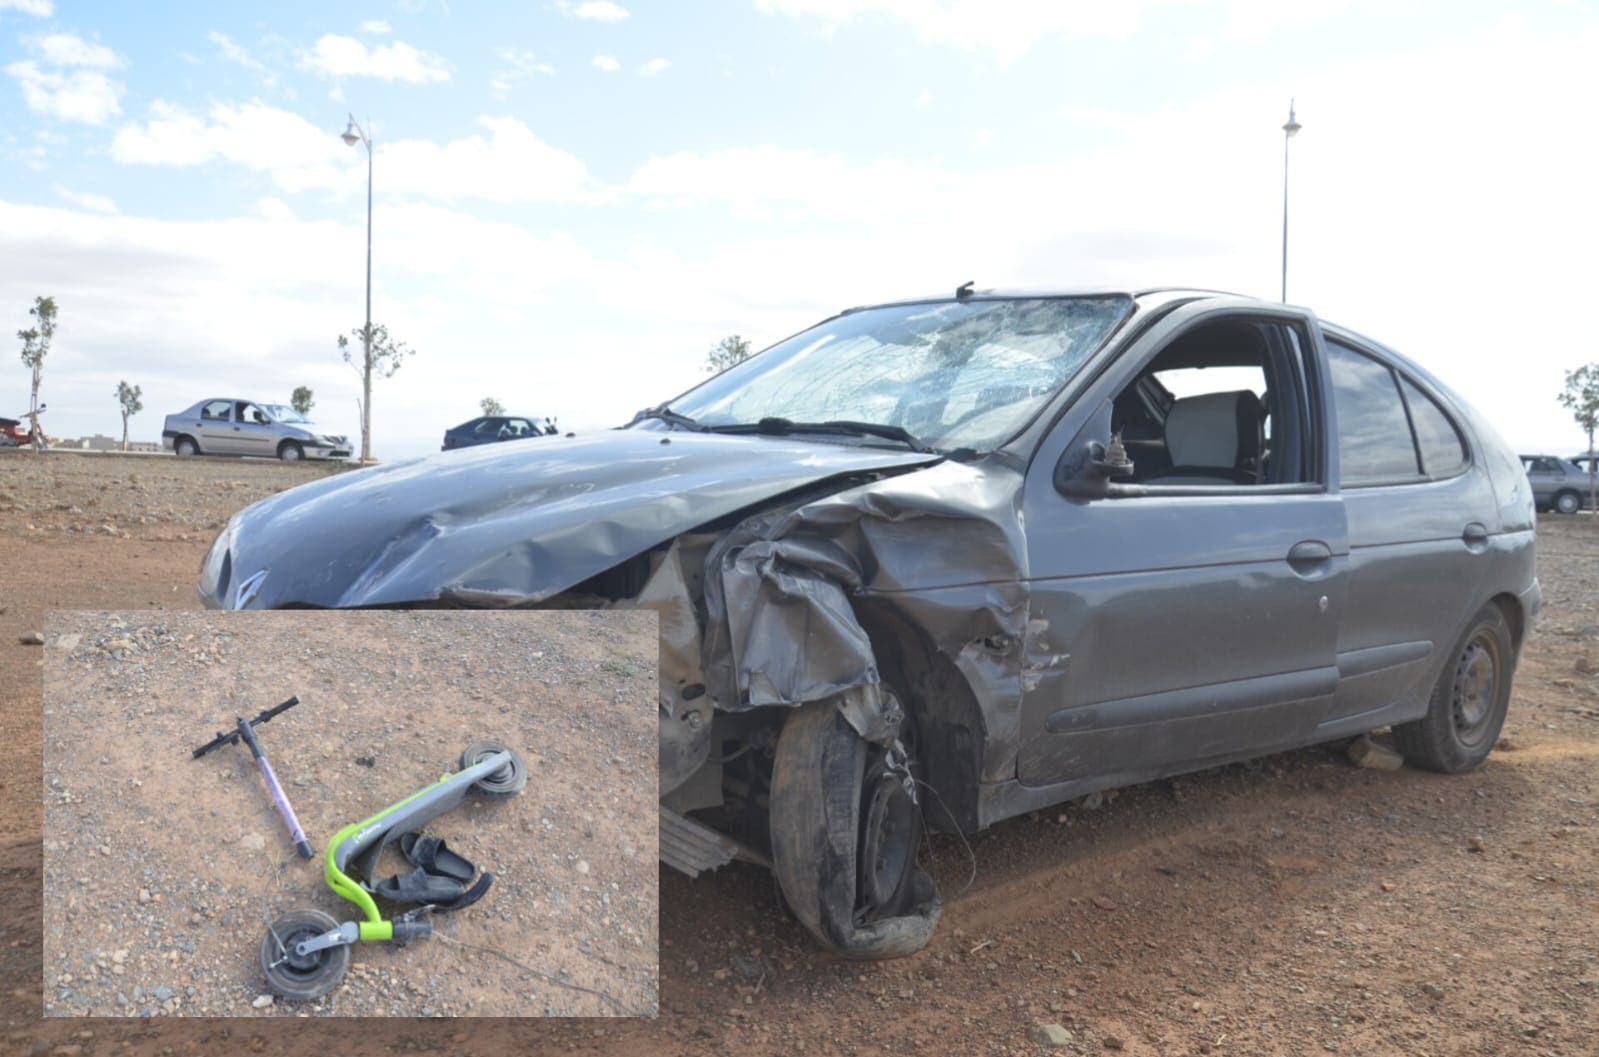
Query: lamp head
x,y
1292,126
349,135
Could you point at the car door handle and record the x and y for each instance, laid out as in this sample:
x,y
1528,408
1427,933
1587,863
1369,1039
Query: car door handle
x,y
1475,536
1309,557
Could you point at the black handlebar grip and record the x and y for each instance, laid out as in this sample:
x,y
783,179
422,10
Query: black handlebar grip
x,y
406,931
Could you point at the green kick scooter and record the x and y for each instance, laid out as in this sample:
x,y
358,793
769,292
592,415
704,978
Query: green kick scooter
x,y
306,952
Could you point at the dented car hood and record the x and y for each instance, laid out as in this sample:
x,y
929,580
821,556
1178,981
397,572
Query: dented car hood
x,y
504,525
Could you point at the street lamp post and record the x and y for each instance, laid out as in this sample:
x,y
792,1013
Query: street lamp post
x,y
353,134
1289,131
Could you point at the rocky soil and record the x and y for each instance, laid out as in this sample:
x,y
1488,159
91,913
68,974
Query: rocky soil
x,y
1299,905
161,871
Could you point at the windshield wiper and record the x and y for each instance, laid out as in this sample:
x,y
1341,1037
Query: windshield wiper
x,y
781,427
671,418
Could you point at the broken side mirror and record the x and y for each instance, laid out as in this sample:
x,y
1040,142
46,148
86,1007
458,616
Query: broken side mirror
x,y
1091,464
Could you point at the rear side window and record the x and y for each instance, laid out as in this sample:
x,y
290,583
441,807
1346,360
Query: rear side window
x,y
1443,453
1374,442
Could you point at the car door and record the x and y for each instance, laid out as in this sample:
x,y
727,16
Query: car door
x,y
1173,625
1418,505
215,428
1545,476
253,431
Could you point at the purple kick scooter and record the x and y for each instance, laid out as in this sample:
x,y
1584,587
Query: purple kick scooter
x,y
245,731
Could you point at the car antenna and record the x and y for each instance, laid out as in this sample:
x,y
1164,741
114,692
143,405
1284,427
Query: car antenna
x,y
964,290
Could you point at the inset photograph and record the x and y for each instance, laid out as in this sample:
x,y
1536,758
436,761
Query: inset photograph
x,y
363,813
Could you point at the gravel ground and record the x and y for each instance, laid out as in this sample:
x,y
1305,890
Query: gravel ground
x,y
1294,906
161,871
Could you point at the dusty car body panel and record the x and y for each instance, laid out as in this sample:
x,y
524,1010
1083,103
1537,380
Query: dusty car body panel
x,y
505,525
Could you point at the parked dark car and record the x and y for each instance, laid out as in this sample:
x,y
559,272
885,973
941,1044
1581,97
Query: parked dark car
x,y
1557,484
489,429
946,561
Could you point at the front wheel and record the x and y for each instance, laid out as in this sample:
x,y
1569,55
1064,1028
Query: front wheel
x,y
845,830
184,447
289,451
1468,703
301,977
1568,502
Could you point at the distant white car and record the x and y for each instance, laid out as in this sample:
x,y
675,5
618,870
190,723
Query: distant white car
x,y
228,426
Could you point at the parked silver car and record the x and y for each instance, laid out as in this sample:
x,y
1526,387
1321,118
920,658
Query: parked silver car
x,y
946,561
230,426
1557,484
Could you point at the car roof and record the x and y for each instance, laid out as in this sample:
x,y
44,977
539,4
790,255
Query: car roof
x,y
1148,294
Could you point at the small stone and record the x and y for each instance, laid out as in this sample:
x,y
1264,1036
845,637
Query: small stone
x,y
253,841
1432,990
1363,752
1476,844
261,1002
144,895
1048,1034
1113,1042
1103,903
582,866
32,638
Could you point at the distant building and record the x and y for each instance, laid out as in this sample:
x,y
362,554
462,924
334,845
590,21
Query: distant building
x,y
101,442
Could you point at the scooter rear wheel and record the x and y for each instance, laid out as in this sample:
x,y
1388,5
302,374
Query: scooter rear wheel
x,y
502,784
301,978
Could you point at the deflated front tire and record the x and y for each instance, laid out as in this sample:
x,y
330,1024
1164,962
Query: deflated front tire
x,y
845,833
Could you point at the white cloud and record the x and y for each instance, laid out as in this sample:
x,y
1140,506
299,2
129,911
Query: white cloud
x,y
520,65
297,153
608,63
592,10
1008,29
88,200
376,26
339,56
653,67
41,8
270,208
82,95
510,164
66,49
507,164
237,54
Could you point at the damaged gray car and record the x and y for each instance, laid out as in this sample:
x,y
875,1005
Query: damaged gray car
x,y
937,563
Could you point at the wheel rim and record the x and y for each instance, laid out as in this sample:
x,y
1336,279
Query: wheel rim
x,y
890,831
1568,504
303,968
291,454
1476,687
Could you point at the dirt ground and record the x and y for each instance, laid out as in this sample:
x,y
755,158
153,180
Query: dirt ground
x,y
162,871
1294,906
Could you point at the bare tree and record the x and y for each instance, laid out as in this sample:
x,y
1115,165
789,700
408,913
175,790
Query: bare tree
x,y
731,350
491,406
128,397
301,400
1581,398
35,347
376,357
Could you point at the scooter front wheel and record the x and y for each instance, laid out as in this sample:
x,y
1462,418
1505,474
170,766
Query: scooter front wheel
x,y
302,977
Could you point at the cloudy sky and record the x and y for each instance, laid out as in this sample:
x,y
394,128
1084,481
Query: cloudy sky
x,y
575,199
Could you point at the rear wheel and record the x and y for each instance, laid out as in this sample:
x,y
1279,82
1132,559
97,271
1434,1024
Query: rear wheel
x,y
501,784
845,831
1568,502
1468,703
301,977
